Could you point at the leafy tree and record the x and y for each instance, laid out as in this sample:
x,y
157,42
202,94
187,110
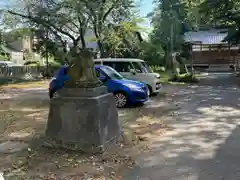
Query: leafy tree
x,y
60,18
152,53
171,19
123,40
67,21
224,13
3,54
106,12
167,21
49,48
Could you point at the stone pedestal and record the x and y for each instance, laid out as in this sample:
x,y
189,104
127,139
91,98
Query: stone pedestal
x,y
83,119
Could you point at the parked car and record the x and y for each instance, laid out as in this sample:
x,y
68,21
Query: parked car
x,y
134,69
125,91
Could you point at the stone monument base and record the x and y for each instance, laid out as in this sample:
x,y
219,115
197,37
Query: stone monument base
x,y
83,119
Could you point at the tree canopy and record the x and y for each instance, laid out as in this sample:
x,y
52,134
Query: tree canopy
x,y
224,13
63,24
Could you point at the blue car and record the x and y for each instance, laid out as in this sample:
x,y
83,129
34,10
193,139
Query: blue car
x,y
125,91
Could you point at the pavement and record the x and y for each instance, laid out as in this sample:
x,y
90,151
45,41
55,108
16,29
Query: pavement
x,y
204,142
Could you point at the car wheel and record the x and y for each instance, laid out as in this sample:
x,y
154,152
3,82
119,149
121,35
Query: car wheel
x,y
51,93
121,100
149,90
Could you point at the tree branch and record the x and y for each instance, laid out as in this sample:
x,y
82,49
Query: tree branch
x,y
105,15
46,24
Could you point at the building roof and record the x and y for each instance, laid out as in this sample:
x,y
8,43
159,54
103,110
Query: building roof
x,y
213,36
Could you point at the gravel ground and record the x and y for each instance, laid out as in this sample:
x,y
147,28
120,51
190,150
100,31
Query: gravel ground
x,y
204,142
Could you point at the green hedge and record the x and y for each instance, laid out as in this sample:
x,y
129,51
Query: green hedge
x,y
32,63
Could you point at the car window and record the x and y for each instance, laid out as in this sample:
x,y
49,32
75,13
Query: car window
x,y
108,64
97,63
137,67
111,73
100,75
122,66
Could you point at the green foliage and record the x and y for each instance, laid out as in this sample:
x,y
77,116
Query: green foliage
x,y
170,19
123,40
167,19
152,53
168,16
55,63
3,58
158,69
27,55
224,13
32,63
68,20
3,55
109,33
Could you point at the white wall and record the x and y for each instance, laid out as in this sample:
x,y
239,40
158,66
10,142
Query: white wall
x,y
17,58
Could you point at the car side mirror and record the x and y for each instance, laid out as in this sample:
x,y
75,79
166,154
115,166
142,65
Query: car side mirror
x,y
133,71
103,78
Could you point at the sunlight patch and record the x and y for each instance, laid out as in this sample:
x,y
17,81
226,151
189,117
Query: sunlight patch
x,y
21,134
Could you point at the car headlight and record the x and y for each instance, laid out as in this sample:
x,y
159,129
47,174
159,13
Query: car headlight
x,y
132,86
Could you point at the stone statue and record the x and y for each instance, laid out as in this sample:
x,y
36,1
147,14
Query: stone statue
x,y
81,71
84,116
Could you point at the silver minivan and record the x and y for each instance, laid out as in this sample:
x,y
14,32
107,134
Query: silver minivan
x,y
134,69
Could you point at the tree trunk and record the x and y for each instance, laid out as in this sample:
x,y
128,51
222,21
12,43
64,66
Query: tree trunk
x,y
168,58
101,49
83,42
99,42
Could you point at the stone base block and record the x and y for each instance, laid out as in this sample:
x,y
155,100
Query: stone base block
x,y
83,123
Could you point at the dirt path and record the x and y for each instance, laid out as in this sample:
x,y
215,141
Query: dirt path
x,y
23,117
204,143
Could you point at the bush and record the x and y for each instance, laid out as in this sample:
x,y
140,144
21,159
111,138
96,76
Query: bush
x,y
185,78
157,69
32,63
152,53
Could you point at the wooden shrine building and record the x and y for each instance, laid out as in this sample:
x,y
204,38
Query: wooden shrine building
x,y
208,49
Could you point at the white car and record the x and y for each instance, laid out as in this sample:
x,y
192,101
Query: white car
x,y
134,69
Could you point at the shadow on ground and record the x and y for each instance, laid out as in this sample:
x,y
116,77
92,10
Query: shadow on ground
x,y
23,115
203,144
148,121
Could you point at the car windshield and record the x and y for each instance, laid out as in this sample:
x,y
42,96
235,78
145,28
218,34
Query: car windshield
x,y
111,72
141,67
